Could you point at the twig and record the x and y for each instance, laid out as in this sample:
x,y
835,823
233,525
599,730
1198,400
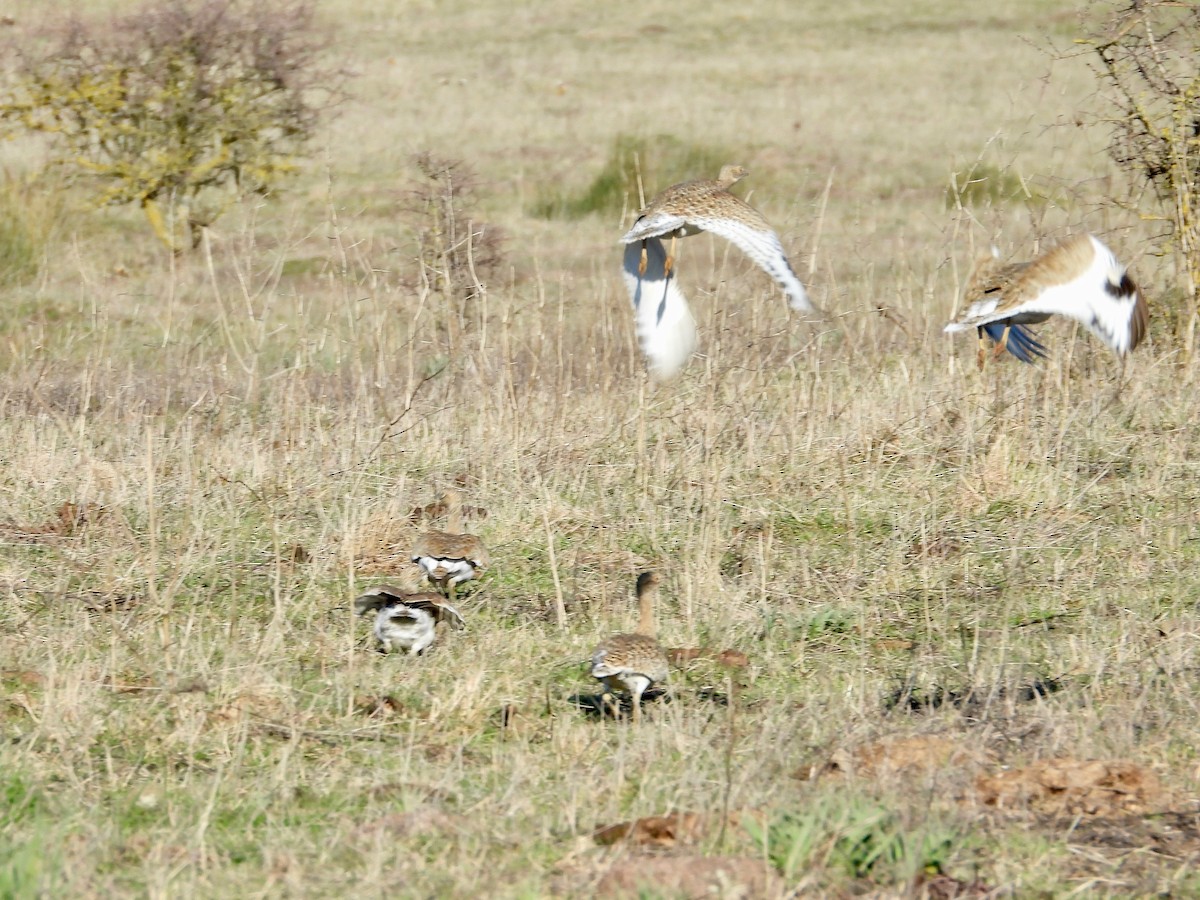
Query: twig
x,y
560,610
728,763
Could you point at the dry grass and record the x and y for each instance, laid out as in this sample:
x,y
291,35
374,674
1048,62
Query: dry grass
x,y
903,548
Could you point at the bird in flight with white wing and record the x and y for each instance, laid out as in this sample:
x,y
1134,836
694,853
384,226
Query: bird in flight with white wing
x,y
666,330
1079,278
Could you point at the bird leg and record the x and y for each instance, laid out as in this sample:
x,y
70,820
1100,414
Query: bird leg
x,y
1003,342
609,702
981,355
670,262
642,261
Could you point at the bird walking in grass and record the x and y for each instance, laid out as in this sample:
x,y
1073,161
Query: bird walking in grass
x,y
1079,278
633,662
450,557
405,621
666,330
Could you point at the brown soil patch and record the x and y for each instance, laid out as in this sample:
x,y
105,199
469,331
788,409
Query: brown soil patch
x,y
1070,787
944,887
691,876
662,831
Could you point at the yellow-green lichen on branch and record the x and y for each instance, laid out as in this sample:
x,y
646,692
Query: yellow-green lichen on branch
x,y
176,102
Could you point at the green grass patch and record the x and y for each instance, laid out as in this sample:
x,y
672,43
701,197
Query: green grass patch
x,y
31,211
986,184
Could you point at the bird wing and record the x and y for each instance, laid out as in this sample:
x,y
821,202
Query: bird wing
x,y
437,605
665,327
1081,280
450,547
475,552
655,224
376,598
762,245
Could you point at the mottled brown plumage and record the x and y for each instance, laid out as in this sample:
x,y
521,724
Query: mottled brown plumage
x,y
706,205
450,557
633,662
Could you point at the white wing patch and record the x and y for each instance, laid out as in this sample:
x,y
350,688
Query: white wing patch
x,y
1098,295
455,570
665,327
765,250
978,313
657,224
1091,298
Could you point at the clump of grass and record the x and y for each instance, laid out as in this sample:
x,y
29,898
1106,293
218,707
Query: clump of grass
x,y
854,839
30,212
659,161
986,184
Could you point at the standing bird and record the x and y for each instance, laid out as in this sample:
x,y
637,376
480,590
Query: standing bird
x,y
450,557
666,330
1080,279
633,661
405,621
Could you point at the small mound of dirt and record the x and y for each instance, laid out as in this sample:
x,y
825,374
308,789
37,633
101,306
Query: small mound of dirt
x,y
944,887
662,831
1071,787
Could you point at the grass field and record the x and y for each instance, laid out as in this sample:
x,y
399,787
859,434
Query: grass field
x,y
968,600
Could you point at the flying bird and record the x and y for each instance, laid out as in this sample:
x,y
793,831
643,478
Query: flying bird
x,y
1079,278
405,621
666,330
633,661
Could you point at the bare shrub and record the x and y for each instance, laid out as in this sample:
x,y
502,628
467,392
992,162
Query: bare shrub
x,y
457,253
1147,53
174,102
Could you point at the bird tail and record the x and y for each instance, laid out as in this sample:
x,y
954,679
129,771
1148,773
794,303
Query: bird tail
x,y
1021,342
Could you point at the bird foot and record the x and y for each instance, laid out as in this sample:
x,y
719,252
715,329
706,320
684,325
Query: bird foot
x,y
1000,347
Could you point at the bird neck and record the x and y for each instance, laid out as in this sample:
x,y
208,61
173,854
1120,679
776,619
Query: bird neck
x,y
453,513
646,623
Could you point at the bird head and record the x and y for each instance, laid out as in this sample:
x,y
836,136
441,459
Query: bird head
x,y
731,175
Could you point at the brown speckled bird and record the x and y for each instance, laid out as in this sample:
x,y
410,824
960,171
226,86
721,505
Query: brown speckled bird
x,y
635,661
1079,278
666,330
450,557
405,621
